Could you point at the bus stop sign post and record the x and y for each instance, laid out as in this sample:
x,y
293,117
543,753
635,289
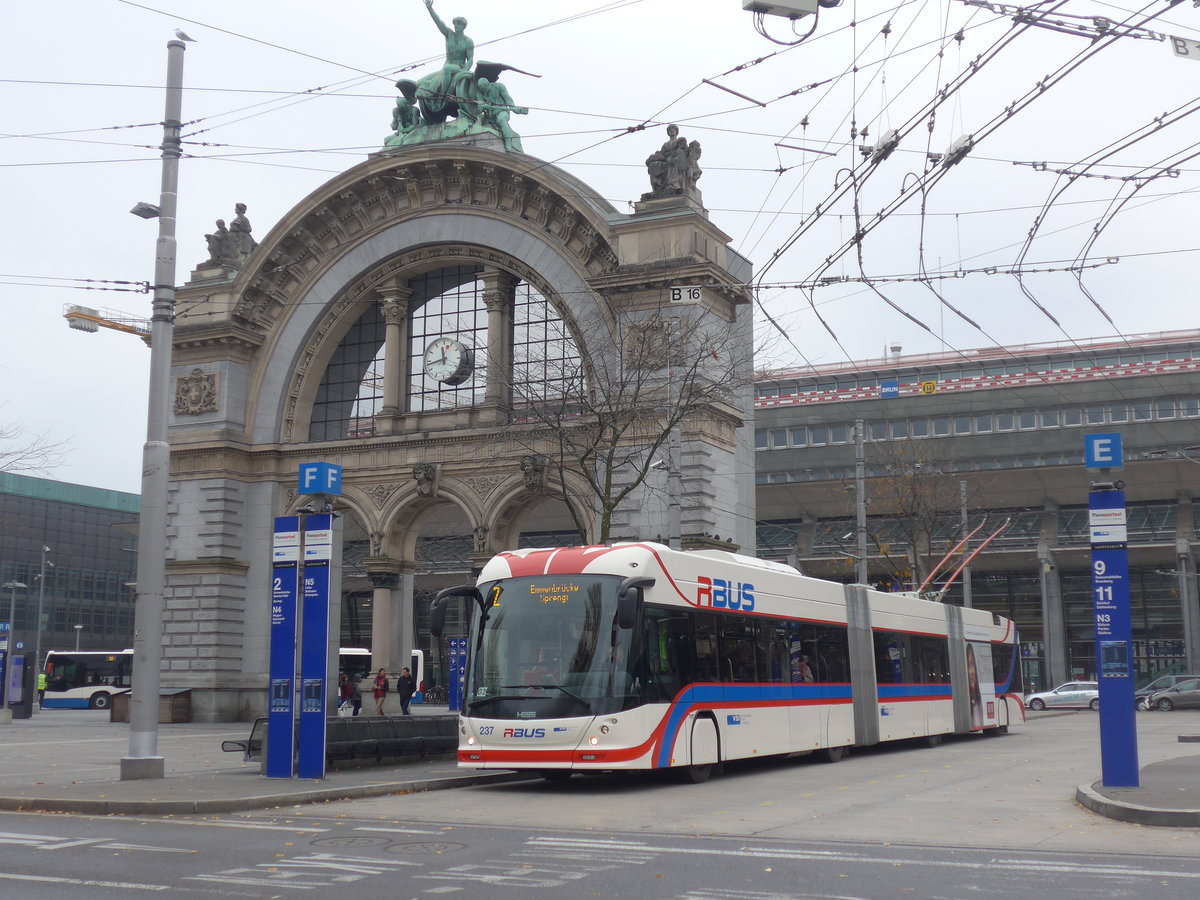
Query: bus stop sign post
x,y
285,569
1114,632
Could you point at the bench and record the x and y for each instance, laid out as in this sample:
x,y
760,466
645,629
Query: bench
x,y
366,740
251,748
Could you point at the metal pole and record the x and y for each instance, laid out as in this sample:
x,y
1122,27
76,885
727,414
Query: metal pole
x,y
143,760
37,641
78,629
966,572
860,498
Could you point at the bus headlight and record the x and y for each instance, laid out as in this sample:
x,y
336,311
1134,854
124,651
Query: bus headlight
x,y
471,741
594,741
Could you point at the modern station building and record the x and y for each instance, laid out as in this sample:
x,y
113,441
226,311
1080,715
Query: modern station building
x,y
89,566
988,437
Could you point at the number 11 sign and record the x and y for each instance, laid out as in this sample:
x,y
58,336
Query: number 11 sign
x,y
1110,600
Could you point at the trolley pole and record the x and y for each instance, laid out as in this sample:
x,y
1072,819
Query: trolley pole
x,y
143,760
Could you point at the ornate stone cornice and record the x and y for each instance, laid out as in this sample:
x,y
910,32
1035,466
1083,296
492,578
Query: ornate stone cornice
x,y
397,187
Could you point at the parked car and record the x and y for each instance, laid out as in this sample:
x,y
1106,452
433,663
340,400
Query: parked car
x,y
1161,683
1072,694
1185,694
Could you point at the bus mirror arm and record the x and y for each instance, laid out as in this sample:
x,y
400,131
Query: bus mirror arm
x,y
437,609
628,597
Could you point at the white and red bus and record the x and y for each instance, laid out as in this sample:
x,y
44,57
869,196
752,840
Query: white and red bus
x,y
636,656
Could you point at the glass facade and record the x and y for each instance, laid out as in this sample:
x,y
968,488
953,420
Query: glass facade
x,y
90,569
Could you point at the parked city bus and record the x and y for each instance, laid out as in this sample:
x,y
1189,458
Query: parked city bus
x,y
355,663
85,679
636,656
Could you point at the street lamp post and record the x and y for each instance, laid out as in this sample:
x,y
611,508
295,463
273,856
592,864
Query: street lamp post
x,y
37,643
143,760
11,587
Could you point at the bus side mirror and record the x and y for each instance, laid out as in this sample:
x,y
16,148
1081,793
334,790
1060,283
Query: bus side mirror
x,y
629,596
437,610
437,617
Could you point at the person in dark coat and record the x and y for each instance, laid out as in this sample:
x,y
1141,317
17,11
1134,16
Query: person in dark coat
x,y
405,687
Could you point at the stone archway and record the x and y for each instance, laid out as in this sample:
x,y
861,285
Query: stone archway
x,y
339,295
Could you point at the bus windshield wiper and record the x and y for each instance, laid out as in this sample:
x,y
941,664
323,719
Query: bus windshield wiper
x,y
569,693
483,701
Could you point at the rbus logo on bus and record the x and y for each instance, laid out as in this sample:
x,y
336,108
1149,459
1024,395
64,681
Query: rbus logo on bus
x,y
524,732
721,594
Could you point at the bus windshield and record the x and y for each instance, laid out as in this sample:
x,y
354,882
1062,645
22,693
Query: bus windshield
x,y
549,647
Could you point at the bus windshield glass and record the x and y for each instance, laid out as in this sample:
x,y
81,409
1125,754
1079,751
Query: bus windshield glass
x,y
549,647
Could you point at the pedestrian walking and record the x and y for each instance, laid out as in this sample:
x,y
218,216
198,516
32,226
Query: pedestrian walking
x,y
406,686
379,689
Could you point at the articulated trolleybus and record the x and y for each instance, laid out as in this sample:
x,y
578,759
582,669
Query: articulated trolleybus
x,y
636,656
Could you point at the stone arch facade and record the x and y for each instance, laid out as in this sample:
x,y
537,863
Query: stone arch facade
x,y
264,338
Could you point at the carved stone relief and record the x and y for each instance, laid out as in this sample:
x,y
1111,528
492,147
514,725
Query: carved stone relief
x,y
196,393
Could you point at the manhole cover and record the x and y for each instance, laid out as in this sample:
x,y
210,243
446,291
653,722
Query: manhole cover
x,y
350,840
420,847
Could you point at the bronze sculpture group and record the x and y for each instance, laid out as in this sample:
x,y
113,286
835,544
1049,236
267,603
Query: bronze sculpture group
x,y
457,100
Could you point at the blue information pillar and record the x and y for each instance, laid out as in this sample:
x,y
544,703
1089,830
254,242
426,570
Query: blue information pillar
x,y
314,645
458,672
1114,633
281,730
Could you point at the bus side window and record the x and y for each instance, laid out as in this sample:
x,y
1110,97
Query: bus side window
x,y
666,635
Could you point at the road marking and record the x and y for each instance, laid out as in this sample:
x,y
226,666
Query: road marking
x,y
81,882
317,870
399,830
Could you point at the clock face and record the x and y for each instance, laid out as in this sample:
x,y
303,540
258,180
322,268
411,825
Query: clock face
x,y
448,361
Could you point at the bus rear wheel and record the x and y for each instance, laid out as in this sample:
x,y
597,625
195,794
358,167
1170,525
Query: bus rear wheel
x,y
99,700
832,754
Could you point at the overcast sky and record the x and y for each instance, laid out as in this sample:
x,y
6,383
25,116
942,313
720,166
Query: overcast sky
x,y
284,95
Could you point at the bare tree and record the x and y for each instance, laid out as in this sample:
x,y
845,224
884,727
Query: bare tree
x,y
605,412
915,508
32,453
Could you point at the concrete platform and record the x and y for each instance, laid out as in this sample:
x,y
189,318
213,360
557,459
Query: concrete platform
x,y
1169,794
70,761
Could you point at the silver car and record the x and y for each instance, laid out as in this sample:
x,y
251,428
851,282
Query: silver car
x,y
1184,695
1078,694
1142,695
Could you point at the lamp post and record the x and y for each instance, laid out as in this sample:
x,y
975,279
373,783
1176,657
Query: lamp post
x,y
37,643
143,760
11,587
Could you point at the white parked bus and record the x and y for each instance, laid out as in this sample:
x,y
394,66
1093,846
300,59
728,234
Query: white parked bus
x,y
85,679
355,663
636,656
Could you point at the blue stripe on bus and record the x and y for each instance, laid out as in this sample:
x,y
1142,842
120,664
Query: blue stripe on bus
x,y
925,691
65,703
740,693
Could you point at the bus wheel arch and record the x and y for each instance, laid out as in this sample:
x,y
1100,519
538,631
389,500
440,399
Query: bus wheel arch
x,y
705,745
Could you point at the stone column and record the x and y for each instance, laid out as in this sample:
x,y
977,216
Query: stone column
x,y
1054,627
499,295
384,575
394,301
1189,601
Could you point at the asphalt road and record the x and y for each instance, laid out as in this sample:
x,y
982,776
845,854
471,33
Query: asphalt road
x,y
989,817
274,856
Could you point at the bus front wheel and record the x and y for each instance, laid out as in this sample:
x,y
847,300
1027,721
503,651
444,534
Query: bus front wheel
x,y
99,700
832,754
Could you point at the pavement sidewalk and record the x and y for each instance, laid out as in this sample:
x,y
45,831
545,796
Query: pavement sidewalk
x,y
67,760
